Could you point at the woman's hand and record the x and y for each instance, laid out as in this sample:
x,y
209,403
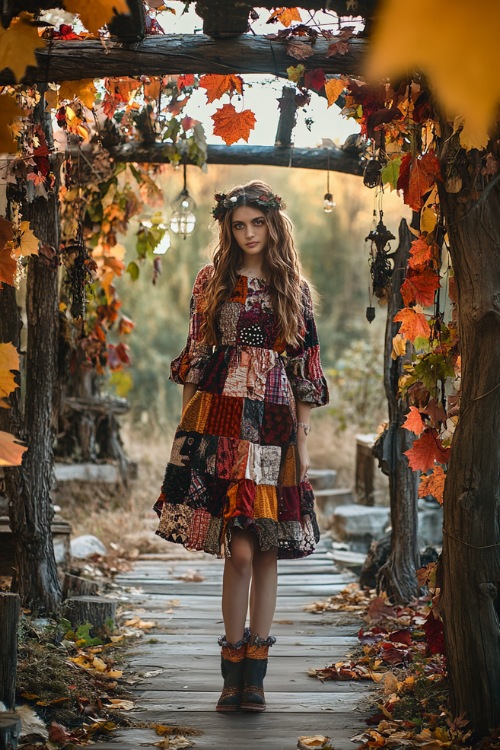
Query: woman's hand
x,y
304,462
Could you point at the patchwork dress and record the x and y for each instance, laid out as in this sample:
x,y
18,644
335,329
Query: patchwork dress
x,y
234,459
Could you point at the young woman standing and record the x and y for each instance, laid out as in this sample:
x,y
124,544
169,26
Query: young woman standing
x,y
236,484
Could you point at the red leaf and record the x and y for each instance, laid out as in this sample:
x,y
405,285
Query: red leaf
x,y
8,266
413,323
420,286
414,421
426,450
185,81
401,636
315,79
231,126
416,177
217,85
434,633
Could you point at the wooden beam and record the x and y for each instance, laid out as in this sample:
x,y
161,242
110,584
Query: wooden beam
x,y
187,53
301,158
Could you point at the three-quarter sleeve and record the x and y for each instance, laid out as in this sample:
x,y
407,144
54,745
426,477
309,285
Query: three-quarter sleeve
x,y
190,365
303,364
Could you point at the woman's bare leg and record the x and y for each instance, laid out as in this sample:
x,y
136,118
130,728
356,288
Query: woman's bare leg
x,y
263,591
236,584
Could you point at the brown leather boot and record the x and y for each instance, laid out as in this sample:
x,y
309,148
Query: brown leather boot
x,y
253,698
232,668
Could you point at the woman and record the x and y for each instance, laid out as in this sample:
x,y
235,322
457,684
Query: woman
x,y
236,483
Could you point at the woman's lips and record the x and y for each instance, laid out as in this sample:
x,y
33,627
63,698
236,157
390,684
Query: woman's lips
x,y
252,244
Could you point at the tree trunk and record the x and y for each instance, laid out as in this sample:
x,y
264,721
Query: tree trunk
x,y
398,576
471,543
28,486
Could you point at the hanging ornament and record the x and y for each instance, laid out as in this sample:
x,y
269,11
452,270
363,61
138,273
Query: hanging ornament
x,y
371,174
328,201
183,220
380,262
80,268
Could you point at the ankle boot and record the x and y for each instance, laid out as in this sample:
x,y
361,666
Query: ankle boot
x,y
253,698
232,668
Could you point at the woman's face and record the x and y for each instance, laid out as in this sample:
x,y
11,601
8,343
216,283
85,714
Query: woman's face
x,y
250,230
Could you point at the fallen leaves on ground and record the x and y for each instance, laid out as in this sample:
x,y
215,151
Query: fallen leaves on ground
x,y
191,576
316,741
402,650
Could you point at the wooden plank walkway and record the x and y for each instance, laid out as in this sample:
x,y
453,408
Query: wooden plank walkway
x,y
184,647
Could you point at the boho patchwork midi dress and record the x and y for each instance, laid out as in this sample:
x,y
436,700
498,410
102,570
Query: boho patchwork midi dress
x,y
234,460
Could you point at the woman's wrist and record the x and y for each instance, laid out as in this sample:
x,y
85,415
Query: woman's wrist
x,y
303,428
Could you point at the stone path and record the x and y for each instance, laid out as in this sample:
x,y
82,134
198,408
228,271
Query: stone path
x,y
183,646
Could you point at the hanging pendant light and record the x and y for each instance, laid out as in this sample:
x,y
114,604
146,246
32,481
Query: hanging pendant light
x,y
328,201
183,219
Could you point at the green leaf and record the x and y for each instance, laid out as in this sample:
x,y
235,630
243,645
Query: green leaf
x,y
133,270
390,173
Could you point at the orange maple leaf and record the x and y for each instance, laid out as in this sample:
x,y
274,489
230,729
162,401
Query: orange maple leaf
x,y
216,85
426,450
413,323
11,453
231,125
424,171
8,265
420,286
414,421
285,16
421,253
433,484
96,13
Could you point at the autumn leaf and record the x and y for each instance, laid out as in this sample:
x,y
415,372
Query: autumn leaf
x,y
426,450
333,89
295,74
315,79
417,175
84,90
27,243
299,50
413,323
285,16
18,44
6,233
94,14
389,173
9,110
9,360
216,85
421,253
420,286
398,346
11,452
433,484
232,126
413,422
8,266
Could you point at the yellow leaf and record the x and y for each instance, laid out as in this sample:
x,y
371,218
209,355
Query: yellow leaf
x,y
317,741
11,452
94,14
18,44
136,622
28,242
333,89
124,705
83,90
295,73
114,673
9,360
456,50
398,346
8,112
99,664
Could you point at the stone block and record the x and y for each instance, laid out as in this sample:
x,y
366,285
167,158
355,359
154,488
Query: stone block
x,y
322,479
359,524
327,501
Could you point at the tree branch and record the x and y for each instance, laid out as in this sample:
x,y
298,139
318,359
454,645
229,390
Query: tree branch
x,y
301,158
187,53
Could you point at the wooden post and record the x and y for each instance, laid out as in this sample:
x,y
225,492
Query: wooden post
x,y
9,619
398,576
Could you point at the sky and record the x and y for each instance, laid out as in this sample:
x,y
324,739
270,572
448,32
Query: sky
x,y
261,93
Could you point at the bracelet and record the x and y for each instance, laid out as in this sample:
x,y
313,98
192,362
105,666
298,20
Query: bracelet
x,y
307,427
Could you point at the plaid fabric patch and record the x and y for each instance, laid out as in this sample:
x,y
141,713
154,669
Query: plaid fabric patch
x,y
224,417
276,386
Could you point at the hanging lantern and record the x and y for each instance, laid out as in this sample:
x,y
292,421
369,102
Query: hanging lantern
x,y
380,262
183,219
371,174
328,201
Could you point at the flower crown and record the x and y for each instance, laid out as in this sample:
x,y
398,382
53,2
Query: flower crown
x,y
223,204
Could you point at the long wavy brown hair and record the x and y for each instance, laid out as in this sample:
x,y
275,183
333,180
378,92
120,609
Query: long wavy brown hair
x,y
281,267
